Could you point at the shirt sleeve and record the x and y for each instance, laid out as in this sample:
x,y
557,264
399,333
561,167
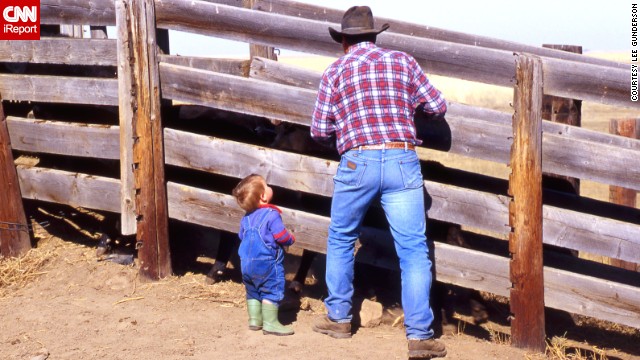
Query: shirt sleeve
x,y
281,235
323,120
425,93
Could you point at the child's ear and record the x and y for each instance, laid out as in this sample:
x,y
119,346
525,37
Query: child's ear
x,y
263,197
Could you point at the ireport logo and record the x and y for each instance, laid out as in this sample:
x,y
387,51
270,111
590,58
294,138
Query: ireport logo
x,y
20,20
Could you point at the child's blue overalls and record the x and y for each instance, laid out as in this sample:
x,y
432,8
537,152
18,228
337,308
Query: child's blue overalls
x,y
261,265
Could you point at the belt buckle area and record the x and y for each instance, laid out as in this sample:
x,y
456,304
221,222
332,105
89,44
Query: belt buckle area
x,y
388,145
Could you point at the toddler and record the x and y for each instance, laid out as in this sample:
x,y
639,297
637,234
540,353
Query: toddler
x,y
263,238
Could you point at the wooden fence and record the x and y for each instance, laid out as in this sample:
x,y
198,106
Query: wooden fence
x,y
147,78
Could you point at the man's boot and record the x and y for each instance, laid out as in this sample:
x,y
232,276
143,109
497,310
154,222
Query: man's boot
x,y
270,323
254,308
426,349
335,330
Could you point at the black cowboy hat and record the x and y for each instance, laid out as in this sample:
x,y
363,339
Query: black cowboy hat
x,y
358,20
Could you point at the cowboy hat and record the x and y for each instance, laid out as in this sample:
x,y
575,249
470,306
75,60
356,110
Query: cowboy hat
x,y
358,20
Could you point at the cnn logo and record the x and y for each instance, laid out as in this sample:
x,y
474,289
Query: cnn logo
x,y
20,20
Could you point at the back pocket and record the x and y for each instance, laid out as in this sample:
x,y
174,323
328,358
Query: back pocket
x,y
411,173
350,171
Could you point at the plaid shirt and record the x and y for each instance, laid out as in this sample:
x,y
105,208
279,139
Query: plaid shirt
x,y
368,97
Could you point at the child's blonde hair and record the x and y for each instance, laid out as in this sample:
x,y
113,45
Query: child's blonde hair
x,y
248,192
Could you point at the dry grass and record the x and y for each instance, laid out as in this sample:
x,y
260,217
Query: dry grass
x,y
15,273
560,348
497,336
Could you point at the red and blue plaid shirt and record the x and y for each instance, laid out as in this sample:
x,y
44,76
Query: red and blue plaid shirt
x,y
369,95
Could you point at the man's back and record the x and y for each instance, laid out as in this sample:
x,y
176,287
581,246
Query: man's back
x,y
369,95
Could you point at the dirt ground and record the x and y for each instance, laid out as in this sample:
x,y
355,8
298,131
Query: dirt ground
x,y
59,302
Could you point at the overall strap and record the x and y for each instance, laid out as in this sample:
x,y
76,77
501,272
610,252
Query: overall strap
x,y
263,218
257,221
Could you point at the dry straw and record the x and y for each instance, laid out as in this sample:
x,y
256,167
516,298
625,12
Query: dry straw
x,y
15,273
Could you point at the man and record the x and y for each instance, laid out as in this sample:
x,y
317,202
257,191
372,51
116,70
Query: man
x,y
366,103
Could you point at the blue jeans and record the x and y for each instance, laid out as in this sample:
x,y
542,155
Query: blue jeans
x,y
394,177
262,266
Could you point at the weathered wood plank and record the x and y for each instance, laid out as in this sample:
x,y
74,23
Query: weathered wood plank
x,y
587,160
227,66
562,78
78,12
14,231
525,211
152,230
126,104
594,297
63,187
64,138
592,234
467,207
273,71
280,168
308,11
235,93
59,89
66,51
563,290
486,137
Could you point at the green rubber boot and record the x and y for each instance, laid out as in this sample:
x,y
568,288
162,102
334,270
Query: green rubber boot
x,y
270,324
254,308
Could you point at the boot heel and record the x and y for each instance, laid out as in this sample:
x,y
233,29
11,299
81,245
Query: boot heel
x,y
270,323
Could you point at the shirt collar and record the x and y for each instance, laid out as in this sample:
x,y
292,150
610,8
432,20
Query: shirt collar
x,y
361,45
269,206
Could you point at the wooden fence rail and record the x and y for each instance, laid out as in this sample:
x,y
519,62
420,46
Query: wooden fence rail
x,y
101,52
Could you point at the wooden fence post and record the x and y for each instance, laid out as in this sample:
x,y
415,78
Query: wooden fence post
x,y
267,52
14,233
525,209
564,111
618,195
141,128
74,31
126,105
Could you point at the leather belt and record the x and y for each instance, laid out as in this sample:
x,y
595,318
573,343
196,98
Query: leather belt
x,y
388,145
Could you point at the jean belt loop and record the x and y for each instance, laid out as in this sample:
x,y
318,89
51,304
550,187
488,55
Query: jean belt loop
x,y
406,146
360,149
